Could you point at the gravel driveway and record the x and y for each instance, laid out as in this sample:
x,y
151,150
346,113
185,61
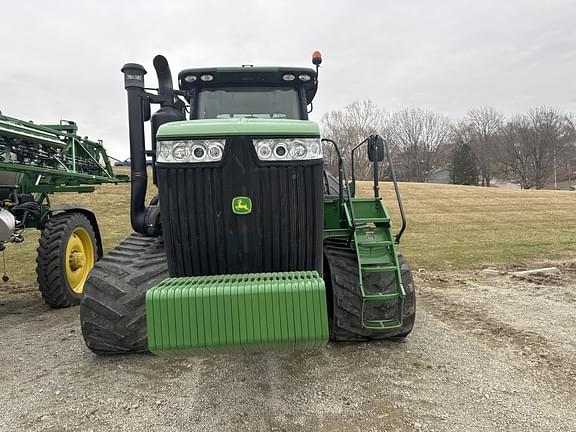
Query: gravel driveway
x,y
487,354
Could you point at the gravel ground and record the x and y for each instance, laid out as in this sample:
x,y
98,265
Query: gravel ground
x,y
487,354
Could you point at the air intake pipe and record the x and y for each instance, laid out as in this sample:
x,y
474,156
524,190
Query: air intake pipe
x,y
145,220
170,108
165,87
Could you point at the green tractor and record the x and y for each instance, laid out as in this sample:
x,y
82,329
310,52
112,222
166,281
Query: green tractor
x,y
250,244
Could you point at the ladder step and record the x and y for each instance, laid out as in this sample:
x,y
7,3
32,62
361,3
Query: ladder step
x,y
371,220
375,260
377,268
371,244
381,324
381,296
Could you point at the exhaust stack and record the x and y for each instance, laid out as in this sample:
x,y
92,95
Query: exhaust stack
x,y
134,85
146,219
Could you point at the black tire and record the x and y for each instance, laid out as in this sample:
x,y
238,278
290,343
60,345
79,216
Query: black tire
x,y
113,312
331,187
51,260
345,304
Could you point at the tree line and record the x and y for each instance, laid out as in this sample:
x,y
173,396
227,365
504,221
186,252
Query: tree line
x,y
532,149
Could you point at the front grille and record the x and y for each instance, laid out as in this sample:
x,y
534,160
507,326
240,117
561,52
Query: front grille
x,y
204,237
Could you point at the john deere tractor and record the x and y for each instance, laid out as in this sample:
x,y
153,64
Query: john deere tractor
x,y
250,244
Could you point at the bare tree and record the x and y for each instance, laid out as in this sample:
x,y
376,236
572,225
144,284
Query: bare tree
x,y
530,147
533,143
569,161
419,138
571,125
484,127
348,127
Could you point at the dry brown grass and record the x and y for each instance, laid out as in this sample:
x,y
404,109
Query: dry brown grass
x,y
448,226
466,226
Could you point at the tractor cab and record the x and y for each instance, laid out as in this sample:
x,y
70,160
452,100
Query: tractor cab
x,y
248,92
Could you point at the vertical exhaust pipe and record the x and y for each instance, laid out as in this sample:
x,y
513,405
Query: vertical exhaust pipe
x,y
134,85
146,219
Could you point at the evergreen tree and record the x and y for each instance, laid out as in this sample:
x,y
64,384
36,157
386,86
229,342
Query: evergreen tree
x,y
465,169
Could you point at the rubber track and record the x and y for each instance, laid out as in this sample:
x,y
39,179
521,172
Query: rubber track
x,y
342,272
113,312
50,270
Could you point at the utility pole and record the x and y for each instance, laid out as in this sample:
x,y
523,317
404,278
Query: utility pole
x,y
555,173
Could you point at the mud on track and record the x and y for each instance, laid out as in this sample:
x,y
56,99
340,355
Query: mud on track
x,y
487,354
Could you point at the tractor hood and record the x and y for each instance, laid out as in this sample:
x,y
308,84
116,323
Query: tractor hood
x,y
238,127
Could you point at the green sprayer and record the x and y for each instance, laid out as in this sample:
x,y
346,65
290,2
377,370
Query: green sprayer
x,y
250,244
37,160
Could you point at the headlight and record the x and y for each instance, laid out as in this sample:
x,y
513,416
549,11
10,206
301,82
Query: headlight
x,y
189,151
215,151
288,149
264,150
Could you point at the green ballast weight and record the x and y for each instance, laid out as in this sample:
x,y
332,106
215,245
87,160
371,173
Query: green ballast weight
x,y
237,312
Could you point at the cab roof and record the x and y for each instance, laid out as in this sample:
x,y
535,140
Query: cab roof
x,y
250,76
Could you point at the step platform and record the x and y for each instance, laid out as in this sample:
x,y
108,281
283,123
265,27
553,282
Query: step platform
x,y
238,312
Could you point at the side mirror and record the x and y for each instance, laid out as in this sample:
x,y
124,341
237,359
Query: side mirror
x,y
375,148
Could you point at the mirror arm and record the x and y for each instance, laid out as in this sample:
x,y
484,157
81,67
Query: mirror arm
x,y
376,185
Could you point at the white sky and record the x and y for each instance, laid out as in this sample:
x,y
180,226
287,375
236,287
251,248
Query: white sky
x,y
62,59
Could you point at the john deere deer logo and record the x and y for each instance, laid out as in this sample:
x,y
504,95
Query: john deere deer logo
x,y
241,205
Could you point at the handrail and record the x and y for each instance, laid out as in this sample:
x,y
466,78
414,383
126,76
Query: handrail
x,y
397,191
341,181
352,166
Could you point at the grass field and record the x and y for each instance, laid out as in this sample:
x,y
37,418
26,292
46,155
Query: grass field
x,y
448,226
469,227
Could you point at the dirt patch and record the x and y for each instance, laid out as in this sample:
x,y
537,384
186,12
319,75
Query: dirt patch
x,y
487,354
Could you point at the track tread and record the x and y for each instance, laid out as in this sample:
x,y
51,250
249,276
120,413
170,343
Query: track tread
x,y
345,319
113,311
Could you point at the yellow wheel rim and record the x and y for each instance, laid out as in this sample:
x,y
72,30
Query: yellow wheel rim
x,y
79,259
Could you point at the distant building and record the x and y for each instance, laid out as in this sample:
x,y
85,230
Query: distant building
x,y
504,184
440,176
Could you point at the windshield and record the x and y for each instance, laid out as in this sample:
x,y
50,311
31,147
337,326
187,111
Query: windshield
x,y
250,102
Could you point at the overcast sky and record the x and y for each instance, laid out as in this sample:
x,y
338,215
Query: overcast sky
x,y
62,59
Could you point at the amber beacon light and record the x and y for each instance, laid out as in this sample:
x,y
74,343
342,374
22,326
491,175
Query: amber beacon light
x,y
316,58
